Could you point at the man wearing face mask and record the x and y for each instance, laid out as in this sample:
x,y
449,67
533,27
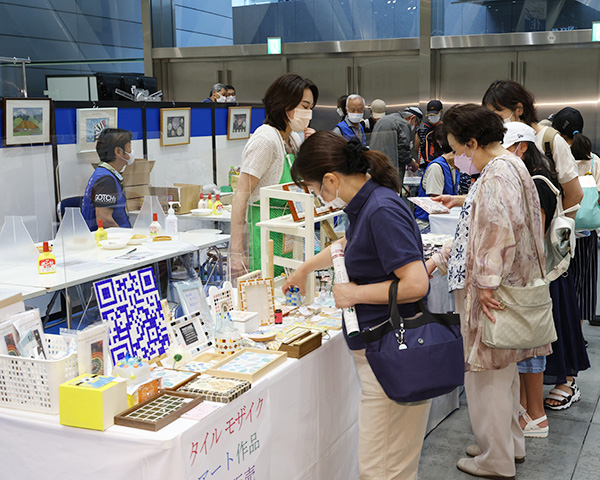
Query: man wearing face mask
x,y
424,144
218,94
393,135
351,127
231,98
104,198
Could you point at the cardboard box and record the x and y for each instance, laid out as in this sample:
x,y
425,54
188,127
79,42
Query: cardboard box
x,y
91,401
166,195
186,194
134,204
138,173
136,191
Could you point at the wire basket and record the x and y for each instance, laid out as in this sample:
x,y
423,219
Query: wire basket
x,y
29,384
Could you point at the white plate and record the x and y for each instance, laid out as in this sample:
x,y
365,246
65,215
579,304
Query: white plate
x,y
113,244
136,241
201,212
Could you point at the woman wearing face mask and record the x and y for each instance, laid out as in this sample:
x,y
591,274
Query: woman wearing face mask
x,y
382,243
104,198
266,160
498,240
568,353
514,103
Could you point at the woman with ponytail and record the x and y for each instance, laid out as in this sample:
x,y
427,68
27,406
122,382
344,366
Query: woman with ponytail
x,y
382,244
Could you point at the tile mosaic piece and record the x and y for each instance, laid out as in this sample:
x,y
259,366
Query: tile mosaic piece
x,y
216,389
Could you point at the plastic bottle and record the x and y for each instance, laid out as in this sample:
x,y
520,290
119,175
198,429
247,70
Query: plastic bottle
x,y
232,172
46,261
100,233
210,202
202,203
171,220
218,206
155,228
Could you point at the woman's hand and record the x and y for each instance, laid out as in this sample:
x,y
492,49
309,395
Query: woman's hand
x,y
308,132
430,266
296,279
488,303
239,264
345,294
450,201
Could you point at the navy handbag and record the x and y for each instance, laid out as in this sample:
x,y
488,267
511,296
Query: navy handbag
x,y
419,358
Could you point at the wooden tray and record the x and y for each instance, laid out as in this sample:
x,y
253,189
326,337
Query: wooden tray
x,y
302,344
215,389
150,415
233,366
177,372
203,358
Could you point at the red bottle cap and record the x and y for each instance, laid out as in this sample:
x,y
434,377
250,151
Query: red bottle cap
x,y
210,196
202,196
46,247
218,197
155,217
100,224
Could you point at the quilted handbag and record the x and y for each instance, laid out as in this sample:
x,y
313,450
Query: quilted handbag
x,y
418,358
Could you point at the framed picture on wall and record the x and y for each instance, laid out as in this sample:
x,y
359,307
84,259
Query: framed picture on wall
x,y
90,122
174,126
26,121
238,125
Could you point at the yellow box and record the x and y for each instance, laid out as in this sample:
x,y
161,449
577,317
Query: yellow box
x,y
91,401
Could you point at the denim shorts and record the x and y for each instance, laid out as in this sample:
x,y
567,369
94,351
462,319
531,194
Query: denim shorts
x,y
532,365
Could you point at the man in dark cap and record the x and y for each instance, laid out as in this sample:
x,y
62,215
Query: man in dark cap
x,y
424,144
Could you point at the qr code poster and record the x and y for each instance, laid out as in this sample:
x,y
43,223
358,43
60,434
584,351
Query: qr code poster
x,y
131,305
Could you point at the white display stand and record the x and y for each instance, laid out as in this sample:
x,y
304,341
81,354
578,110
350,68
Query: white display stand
x,y
302,231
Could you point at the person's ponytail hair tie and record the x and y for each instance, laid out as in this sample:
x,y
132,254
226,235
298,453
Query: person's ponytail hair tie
x,y
357,161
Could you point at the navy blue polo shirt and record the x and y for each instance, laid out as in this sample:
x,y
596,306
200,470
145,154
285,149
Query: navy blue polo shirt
x,y
382,237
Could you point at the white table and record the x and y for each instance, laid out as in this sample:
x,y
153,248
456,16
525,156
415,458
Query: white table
x,y
309,432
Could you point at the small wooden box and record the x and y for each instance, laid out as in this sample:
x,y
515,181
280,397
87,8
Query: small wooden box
x,y
301,344
157,412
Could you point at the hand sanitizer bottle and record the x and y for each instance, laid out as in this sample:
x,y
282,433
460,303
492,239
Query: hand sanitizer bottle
x,y
171,220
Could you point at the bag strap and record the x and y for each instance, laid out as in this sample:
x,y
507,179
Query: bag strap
x,y
547,142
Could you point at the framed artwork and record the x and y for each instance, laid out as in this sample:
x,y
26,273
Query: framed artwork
x,y
90,122
257,296
191,332
221,299
157,412
238,124
192,298
26,121
172,379
297,208
174,126
248,364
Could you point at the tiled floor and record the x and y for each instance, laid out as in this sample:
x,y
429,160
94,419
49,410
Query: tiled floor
x,y
571,451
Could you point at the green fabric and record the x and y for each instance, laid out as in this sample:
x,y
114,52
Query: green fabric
x,y
278,208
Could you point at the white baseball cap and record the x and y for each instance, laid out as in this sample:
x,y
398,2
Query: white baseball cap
x,y
517,132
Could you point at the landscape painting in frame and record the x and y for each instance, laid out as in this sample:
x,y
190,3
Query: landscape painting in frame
x,y
26,121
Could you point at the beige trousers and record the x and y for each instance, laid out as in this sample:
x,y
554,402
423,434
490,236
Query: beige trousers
x,y
493,397
390,434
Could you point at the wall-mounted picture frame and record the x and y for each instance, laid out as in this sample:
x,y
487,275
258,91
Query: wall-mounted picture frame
x,y
297,208
238,124
26,121
174,126
90,122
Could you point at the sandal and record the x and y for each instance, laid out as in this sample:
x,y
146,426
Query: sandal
x,y
565,399
533,429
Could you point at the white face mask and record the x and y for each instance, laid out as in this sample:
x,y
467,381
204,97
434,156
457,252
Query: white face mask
x,y
339,111
355,117
302,118
221,98
129,160
434,118
231,99
508,120
336,203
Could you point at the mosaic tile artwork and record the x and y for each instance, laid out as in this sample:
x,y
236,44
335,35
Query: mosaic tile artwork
x,y
248,362
160,408
216,389
200,366
171,378
130,303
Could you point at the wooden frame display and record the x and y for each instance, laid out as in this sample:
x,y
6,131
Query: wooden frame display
x,y
90,122
202,362
26,121
238,123
257,296
173,379
174,126
191,332
248,364
302,343
216,389
158,411
297,208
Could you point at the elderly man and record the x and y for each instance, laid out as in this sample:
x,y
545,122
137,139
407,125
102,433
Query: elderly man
x,y
393,135
218,94
351,127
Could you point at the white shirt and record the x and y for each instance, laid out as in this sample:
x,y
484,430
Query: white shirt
x,y
566,167
434,181
585,165
263,157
